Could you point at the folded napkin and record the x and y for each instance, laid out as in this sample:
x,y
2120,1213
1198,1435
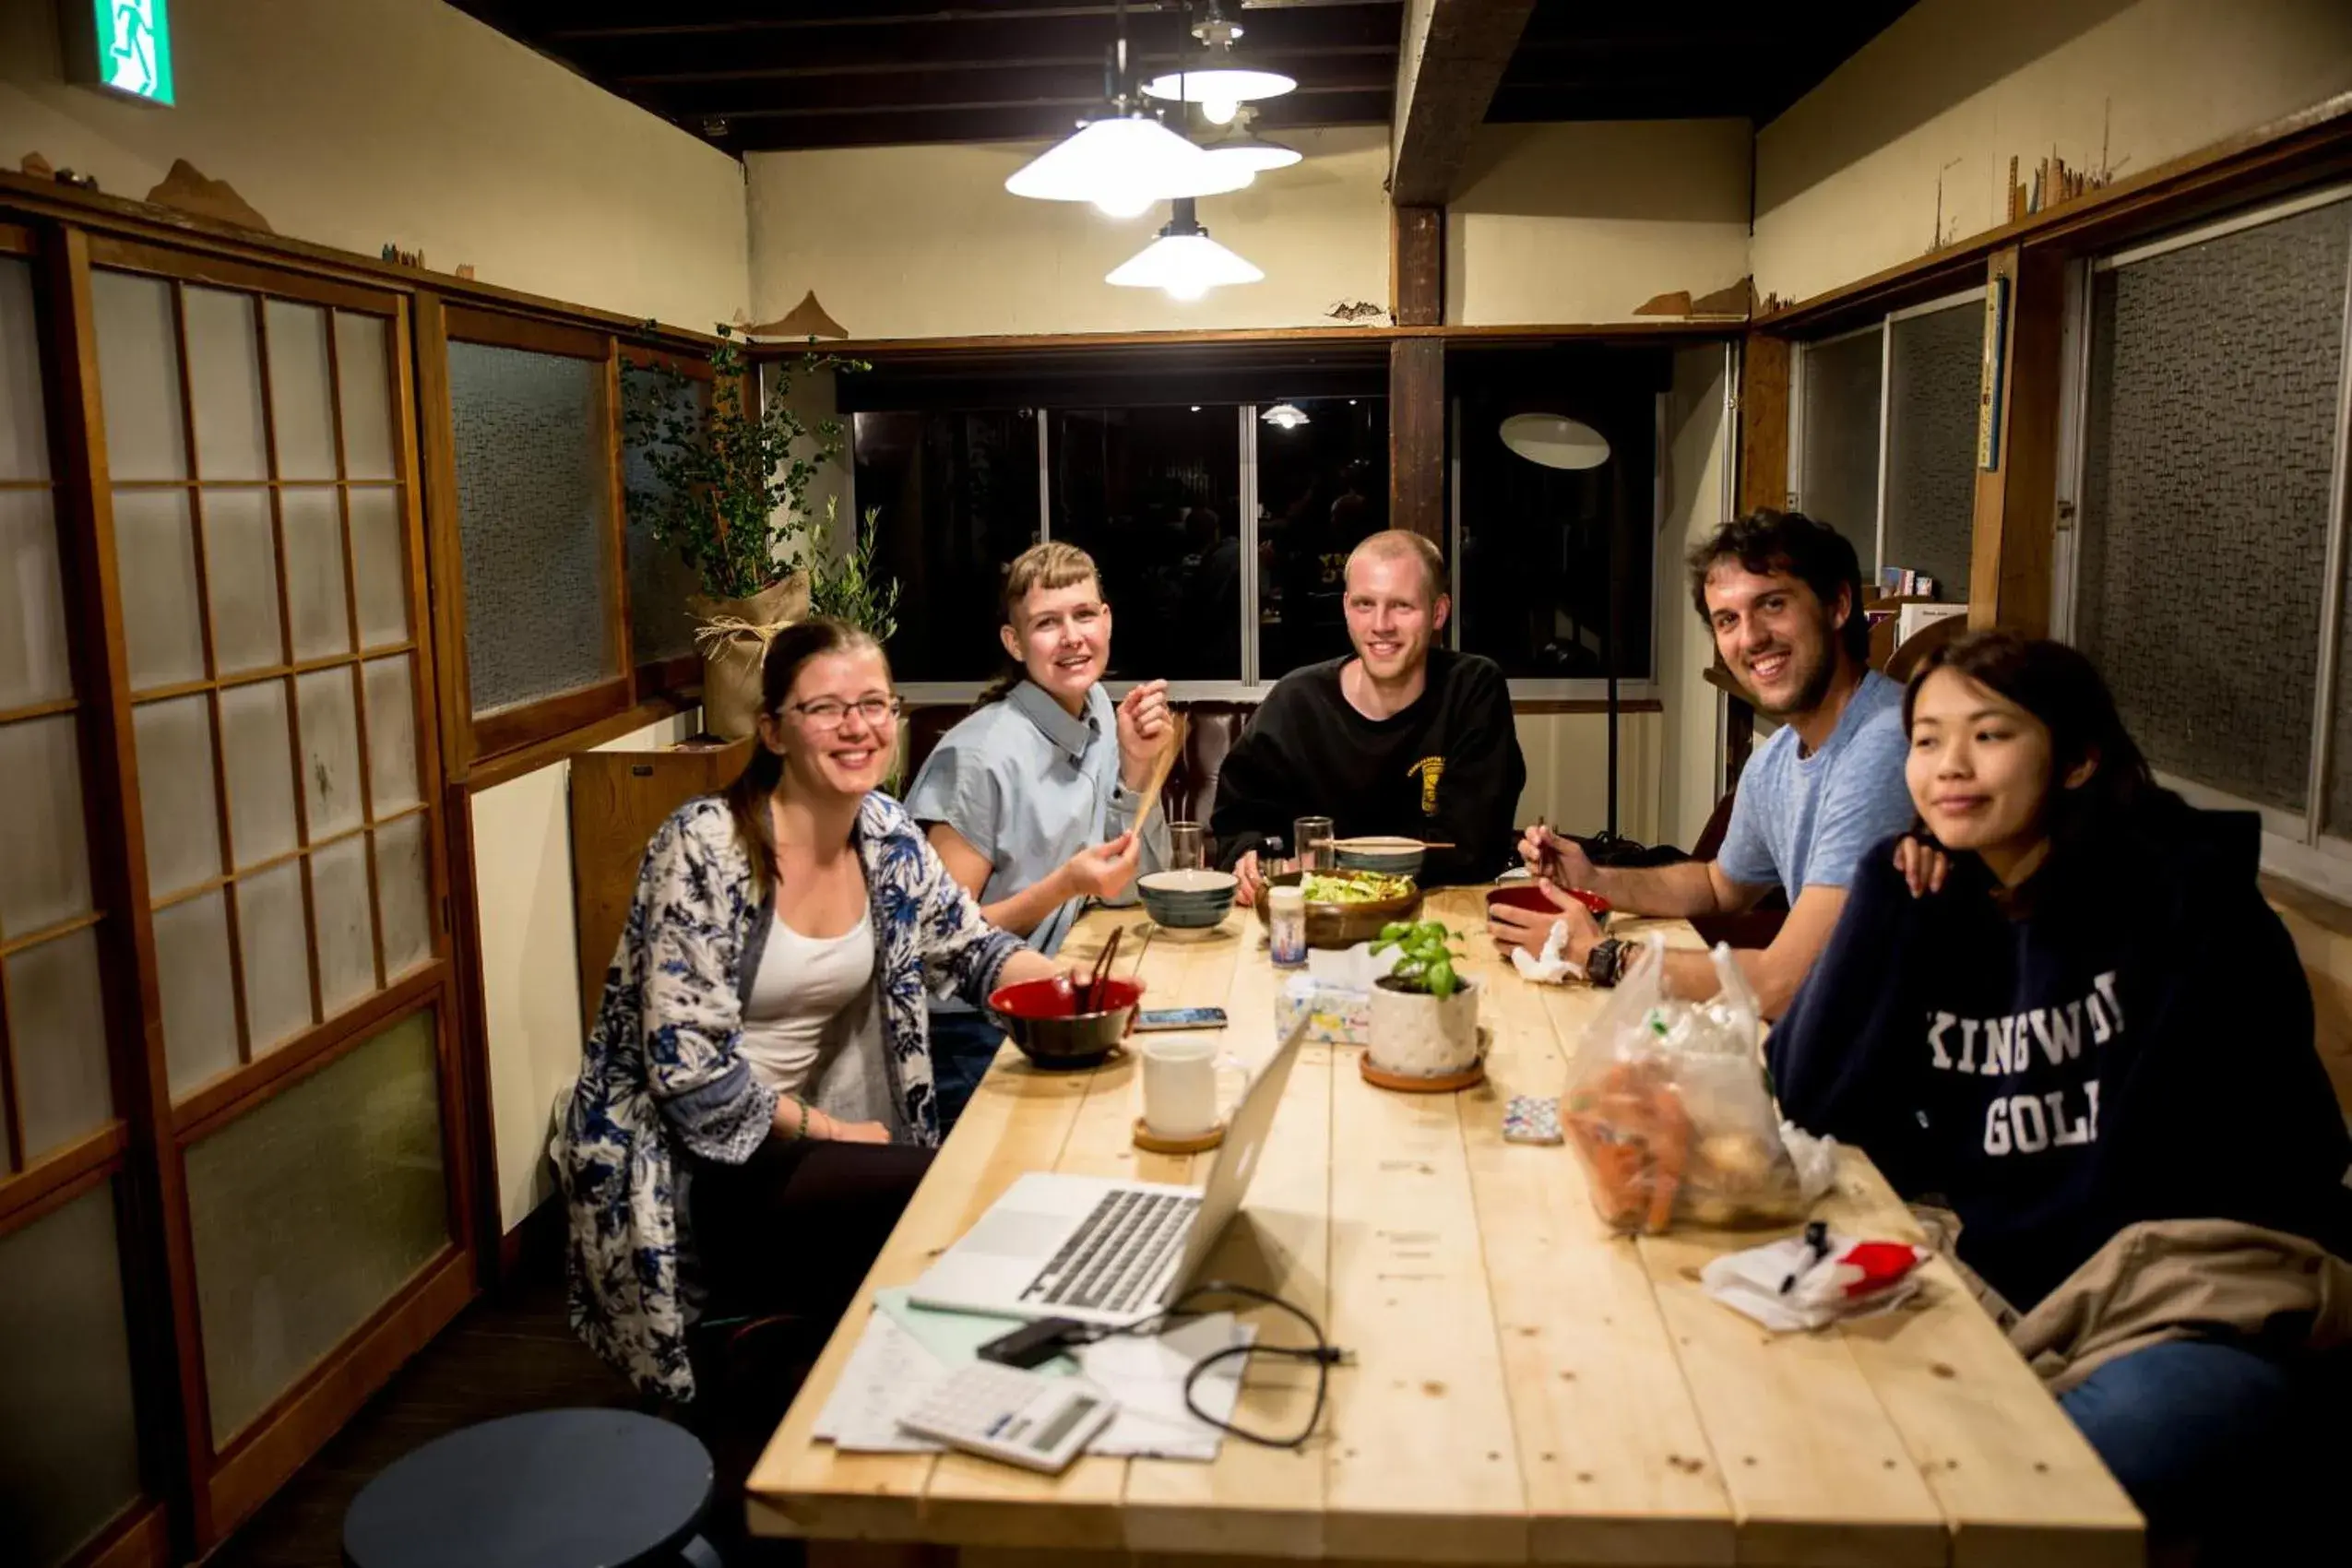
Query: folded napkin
x,y
1812,1280
1553,966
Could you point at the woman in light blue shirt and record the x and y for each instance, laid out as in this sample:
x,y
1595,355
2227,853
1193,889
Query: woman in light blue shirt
x,y
1031,800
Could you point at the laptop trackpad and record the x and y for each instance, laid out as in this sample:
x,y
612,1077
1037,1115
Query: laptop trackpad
x,y
1016,1233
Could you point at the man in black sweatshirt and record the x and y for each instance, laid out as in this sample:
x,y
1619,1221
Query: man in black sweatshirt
x,y
1403,738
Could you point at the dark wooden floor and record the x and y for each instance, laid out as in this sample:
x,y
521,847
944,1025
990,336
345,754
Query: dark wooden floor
x,y
503,1356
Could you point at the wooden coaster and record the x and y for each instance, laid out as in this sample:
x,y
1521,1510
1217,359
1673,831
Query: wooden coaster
x,y
1147,1139
1451,1083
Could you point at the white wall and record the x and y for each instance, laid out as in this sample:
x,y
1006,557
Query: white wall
x,y
352,123
1568,771
924,242
1846,181
530,961
1584,222
1697,500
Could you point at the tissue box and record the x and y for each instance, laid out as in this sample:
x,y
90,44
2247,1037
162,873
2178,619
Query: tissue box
x,y
1336,1014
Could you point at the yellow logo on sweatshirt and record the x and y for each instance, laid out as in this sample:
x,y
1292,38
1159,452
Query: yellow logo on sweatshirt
x,y
1429,769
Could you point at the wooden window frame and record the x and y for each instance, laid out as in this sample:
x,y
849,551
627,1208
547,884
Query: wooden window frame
x,y
467,738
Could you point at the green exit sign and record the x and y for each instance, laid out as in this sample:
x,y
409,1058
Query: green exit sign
x,y
124,46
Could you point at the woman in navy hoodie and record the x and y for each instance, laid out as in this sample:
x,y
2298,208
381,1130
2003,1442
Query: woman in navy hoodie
x,y
2096,1021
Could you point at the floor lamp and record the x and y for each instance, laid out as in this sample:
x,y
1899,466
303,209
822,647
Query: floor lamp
x,y
1554,441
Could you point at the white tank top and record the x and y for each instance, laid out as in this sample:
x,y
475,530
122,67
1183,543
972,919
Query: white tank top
x,y
809,998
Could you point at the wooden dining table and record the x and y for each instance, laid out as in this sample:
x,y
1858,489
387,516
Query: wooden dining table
x,y
1524,1385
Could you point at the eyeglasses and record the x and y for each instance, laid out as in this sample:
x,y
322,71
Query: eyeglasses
x,y
829,713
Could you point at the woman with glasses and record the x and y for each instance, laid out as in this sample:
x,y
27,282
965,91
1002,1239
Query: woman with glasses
x,y
755,1103
1031,800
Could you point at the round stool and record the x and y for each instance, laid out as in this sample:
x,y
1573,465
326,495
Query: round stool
x,y
555,1489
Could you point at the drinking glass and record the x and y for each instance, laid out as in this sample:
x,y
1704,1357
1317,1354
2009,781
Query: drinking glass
x,y
1310,841
1187,846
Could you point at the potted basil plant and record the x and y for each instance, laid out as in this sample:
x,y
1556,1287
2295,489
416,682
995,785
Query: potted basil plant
x,y
1424,1012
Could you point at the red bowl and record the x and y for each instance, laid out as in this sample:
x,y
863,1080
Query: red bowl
x,y
1528,895
1042,1017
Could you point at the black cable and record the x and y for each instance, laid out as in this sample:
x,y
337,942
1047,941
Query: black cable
x,y
1323,1355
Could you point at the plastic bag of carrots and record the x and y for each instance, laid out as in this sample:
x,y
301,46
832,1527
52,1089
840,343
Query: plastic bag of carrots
x,y
1668,1107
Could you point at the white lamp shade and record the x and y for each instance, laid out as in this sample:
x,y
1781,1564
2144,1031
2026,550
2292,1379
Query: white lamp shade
x,y
1219,83
1187,266
1252,153
1286,416
1555,440
1111,157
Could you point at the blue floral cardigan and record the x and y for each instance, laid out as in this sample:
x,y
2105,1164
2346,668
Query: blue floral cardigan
x,y
662,1071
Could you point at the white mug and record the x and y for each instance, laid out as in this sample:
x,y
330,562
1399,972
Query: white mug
x,y
1180,1087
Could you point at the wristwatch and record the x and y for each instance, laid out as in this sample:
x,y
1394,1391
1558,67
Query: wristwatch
x,y
1604,964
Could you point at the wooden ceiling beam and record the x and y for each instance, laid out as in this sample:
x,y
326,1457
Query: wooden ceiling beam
x,y
921,126
566,24
1451,59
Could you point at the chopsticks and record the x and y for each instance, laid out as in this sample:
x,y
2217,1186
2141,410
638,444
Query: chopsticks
x,y
1090,999
1160,770
1548,863
1384,841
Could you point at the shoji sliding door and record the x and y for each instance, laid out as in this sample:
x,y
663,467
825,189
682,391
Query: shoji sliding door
x,y
71,1478
223,964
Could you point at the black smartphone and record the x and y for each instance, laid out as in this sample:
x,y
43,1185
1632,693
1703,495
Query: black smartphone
x,y
1180,1018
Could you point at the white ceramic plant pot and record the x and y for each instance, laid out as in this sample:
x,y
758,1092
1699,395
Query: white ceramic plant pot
x,y
1415,1035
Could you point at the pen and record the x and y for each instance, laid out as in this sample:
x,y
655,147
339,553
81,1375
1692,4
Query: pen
x,y
1817,1244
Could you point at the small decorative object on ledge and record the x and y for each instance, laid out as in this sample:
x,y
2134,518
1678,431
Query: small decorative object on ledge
x,y
36,166
1353,311
807,319
187,190
399,258
731,495
1733,303
466,270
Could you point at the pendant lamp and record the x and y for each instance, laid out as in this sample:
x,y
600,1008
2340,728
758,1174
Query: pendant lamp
x,y
1241,146
1220,79
1183,260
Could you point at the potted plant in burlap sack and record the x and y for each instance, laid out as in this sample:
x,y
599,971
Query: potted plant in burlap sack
x,y
730,493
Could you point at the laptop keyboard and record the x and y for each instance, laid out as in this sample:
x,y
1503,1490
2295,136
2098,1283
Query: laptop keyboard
x,y
1118,1254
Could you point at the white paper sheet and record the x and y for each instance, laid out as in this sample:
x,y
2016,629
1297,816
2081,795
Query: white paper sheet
x,y
893,1365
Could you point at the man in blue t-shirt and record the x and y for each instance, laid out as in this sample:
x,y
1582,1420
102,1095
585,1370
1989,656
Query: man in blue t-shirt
x,y
1783,595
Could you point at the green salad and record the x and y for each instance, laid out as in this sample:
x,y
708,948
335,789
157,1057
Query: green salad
x,y
1359,888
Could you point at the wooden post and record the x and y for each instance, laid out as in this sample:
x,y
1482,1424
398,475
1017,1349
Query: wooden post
x,y
1764,422
2018,497
1416,437
1417,265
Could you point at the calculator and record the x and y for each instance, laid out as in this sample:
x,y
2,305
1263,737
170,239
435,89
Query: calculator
x,y
1022,1417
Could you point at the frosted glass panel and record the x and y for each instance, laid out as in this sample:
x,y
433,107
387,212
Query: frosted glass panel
x,y
405,889
138,374
363,366
346,924
68,1433
41,832
176,793
33,659
2208,445
533,483
379,565
276,949
199,1005
224,381
391,736
241,579
24,430
57,1023
299,396
155,556
316,604
1839,483
258,754
310,1211
330,751
1936,370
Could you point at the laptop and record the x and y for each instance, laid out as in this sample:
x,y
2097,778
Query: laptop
x,y
1101,1250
